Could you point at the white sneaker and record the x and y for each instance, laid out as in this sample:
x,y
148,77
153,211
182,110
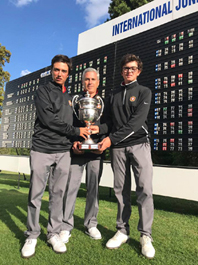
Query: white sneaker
x,y
147,248
117,240
94,233
57,244
64,236
28,249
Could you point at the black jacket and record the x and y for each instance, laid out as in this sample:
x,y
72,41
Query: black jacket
x,y
128,108
54,118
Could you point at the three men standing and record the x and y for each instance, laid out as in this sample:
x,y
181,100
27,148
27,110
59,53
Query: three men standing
x,y
128,109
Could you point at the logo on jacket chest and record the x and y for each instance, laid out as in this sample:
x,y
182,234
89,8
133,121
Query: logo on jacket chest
x,y
132,99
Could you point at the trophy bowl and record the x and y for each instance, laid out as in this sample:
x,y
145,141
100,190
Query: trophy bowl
x,y
89,111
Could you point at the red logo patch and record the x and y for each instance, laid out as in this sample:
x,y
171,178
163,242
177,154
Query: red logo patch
x,y
132,99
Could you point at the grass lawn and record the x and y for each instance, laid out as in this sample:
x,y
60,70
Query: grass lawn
x,y
175,230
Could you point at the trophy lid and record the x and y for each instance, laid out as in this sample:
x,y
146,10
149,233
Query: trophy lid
x,y
88,102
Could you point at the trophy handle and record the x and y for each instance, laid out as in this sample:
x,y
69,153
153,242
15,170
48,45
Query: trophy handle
x,y
73,105
102,108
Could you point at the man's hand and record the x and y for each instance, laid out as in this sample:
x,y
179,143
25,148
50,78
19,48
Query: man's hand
x,y
94,129
104,144
84,132
75,148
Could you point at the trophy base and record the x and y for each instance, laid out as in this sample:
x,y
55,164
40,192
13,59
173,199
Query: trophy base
x,y
88,147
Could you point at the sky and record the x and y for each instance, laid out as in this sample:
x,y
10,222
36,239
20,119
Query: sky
x,y
34,31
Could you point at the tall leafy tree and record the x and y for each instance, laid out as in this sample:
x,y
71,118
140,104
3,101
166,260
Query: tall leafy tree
x,y
120,7
4,75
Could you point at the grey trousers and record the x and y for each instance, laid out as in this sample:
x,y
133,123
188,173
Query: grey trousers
x,y
93,175
41,165
139,156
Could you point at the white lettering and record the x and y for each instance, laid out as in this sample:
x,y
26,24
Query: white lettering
x,y
45,73
143,18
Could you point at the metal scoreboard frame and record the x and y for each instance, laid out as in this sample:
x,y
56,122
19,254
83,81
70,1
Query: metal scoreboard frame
x,y
164,34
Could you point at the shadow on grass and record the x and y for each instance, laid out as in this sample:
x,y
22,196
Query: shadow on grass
x,y
12,200
14,183
13,209
107,234
160,202
13,212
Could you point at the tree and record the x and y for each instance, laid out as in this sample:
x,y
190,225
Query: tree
x,y
120,7
4,75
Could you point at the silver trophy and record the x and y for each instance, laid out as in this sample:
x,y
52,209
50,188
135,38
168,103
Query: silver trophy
x,y
89,111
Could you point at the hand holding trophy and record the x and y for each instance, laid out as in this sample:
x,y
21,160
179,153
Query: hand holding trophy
x,y
89,111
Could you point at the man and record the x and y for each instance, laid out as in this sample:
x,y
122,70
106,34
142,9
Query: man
x,y
129,141
92,162
50,148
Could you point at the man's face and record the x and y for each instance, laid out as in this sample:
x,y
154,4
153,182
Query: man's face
x,y
60,73
91,83
130,72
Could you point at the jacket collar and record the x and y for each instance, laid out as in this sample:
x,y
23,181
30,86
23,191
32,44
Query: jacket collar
x,y
129,85
57,85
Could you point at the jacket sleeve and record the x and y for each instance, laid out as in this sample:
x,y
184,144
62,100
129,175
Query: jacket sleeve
x,y
136,120
48,118
106,119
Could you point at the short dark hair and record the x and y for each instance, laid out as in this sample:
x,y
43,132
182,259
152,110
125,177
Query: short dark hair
x,y
130,58
63,59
